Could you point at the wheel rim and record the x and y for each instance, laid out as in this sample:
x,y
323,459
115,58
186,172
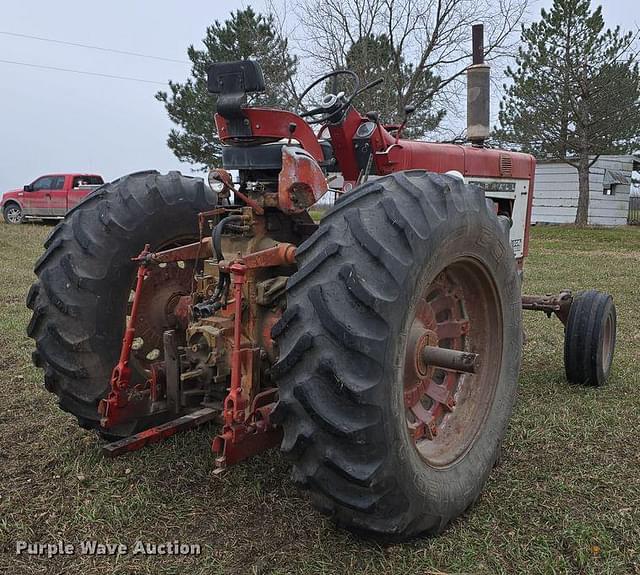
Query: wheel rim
x,y
445,409
161,292
14,215
607,343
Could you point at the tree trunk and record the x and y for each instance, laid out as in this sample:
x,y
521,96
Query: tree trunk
x,y
582,214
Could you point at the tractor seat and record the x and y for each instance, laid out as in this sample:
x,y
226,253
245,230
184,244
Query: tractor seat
x,y
266,156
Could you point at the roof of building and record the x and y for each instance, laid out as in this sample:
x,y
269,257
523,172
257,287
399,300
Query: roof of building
x,y
612,177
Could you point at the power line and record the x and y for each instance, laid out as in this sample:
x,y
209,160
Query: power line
x,y
42,67
90,47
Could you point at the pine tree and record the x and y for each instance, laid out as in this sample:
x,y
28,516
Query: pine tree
x,y
575,93
246,35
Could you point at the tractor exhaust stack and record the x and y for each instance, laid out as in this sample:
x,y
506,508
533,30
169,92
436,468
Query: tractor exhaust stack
x,y
478,91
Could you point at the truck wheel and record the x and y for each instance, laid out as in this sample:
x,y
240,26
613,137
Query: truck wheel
x,y
386,443
590,338
12,213
85,278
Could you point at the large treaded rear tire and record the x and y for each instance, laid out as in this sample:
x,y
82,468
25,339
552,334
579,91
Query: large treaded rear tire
x,y
590,338
341,342
85,276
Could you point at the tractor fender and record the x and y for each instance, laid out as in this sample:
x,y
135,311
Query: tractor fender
x,y
301,182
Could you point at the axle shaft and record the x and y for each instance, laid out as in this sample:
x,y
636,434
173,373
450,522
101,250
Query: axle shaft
x,y
451,359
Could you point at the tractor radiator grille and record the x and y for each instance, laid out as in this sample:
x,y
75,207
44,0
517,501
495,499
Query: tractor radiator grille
x,y
505,165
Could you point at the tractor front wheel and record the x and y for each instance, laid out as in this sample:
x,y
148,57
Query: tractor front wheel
x,y
408,269
85,279
590,338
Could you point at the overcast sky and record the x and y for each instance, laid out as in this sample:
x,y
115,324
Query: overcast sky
x,y
54,121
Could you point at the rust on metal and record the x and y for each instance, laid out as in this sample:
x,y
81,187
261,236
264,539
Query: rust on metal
x,y
279,255
452,359
250,436
221,175
235,403
558,304
161,294
110,407
224,177
301,182
201,249
172,370
160,432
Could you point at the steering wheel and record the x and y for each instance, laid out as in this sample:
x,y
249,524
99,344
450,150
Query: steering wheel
x,y
332,104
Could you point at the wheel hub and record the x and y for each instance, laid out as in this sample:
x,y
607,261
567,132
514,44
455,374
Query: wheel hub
x,y
417,372
13,215
161,292
454,319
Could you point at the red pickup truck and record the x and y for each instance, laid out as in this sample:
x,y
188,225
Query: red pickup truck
x,y
50,196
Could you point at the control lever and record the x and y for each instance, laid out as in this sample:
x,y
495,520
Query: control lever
x,y
408,110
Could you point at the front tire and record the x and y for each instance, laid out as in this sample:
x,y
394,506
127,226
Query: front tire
x,y
12,213
85,277
350,397
590,338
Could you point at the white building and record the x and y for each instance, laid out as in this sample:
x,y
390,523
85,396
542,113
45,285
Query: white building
x,y
555,198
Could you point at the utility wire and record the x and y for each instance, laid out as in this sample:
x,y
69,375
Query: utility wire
x,y
90,47
42,67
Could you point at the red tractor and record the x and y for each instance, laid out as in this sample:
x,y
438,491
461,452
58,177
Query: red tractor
x,y
379,349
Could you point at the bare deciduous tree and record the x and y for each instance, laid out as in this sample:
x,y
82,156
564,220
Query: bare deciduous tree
x,y
428,44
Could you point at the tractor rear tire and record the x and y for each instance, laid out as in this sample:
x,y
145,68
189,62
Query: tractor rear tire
x,y
85,275
590,338
345,338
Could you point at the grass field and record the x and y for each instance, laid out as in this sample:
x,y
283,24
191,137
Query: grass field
x,y
565,499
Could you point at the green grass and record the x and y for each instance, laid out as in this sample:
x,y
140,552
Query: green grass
x,y
565,499
316,214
